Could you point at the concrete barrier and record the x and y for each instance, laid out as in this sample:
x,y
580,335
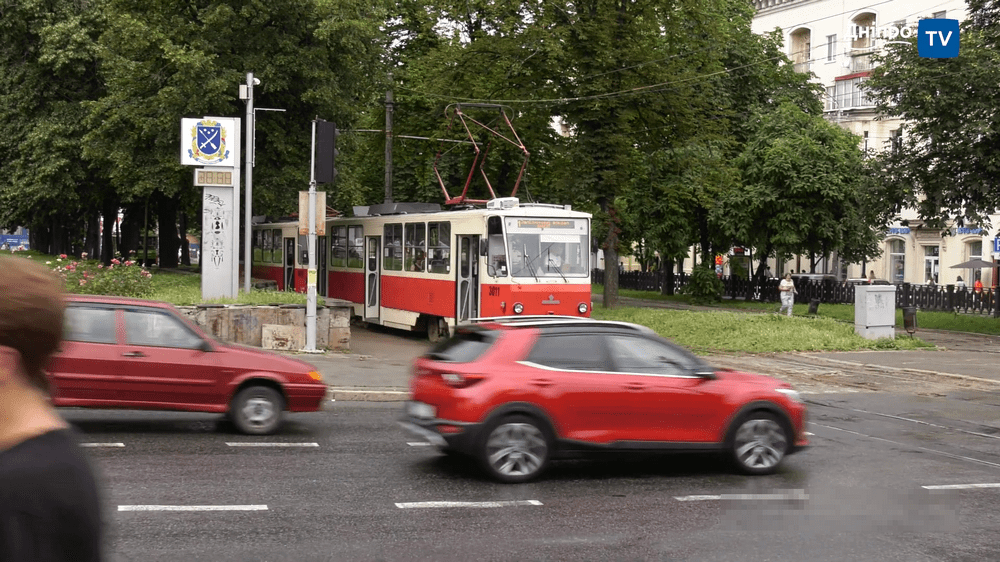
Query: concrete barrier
x,y
275,326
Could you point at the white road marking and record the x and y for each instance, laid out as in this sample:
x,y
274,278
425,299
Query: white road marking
x,y
419,444
942,453
417,505
192,508
779,496
961,486
102,444
921,422
251,444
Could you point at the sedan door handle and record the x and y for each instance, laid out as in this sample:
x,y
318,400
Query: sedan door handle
x,y
542,382
133,354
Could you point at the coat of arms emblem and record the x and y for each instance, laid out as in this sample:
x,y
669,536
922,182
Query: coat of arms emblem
x,y
208,143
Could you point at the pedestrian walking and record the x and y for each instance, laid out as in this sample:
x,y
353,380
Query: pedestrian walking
x,y
788,292
959,284
49,501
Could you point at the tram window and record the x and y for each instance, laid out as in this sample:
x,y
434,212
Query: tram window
x,y
393,258
439,247
276,247
258,248
338,246
416,247
355,246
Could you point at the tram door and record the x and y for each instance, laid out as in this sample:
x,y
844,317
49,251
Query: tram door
x,y
289,264
467,282
372,253
321,254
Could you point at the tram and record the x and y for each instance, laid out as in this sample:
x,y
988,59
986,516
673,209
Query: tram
x,y
416,267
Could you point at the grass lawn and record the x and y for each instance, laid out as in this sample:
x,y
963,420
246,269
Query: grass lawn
x,y
951,321
732,331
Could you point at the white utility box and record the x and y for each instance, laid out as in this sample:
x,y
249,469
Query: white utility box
x,y
875,311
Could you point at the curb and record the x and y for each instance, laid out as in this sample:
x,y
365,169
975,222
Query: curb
x,y
347,394
906,370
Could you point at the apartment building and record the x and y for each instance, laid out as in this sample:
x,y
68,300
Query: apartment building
x,y
835,40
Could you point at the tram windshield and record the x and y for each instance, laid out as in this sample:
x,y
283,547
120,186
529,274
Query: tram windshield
x,y
548,247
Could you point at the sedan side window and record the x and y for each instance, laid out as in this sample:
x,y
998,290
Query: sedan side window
x,y
158,329
570,352
642,355
91,325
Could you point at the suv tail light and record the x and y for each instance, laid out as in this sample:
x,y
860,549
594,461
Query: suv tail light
x,y
460,380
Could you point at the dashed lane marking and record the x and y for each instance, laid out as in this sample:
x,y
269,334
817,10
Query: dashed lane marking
x,y
102,444
777,496
439,504
962,486
192,508
936,452
253,444
419,444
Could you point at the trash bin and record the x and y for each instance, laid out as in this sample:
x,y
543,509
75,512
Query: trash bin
x,y
910,319
814,306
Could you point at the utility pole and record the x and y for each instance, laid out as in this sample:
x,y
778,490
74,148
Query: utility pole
x,y
311,275
248,214
388,146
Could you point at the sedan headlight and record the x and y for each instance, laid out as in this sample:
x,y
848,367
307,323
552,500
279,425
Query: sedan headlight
x,y
792,394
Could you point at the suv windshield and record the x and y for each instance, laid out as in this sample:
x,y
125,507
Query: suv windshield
x,y
541,247
468,344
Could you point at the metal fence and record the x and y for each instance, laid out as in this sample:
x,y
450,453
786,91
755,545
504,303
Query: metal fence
x,y
940,298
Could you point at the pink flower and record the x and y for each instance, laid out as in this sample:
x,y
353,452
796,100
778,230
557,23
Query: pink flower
x,y
115,261
83,282
100,266
83,256
63,256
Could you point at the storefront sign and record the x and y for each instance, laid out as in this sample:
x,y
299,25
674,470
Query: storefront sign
x,y
901,230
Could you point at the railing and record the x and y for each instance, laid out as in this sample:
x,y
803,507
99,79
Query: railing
x,y
945,298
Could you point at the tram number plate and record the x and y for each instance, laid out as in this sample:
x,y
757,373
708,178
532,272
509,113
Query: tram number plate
x,y
494,291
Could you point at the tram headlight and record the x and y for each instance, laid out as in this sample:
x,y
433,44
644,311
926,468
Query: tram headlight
x,y
582,308
518,308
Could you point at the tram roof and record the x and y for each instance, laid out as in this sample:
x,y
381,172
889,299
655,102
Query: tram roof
x,y
423,211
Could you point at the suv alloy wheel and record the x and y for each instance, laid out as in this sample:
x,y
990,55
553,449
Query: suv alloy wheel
x,y
515,449
759,443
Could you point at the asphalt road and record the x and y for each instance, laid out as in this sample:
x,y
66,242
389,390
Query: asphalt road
x,y
350,485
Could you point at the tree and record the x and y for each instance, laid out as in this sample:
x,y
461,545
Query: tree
x,y
944,163
805,190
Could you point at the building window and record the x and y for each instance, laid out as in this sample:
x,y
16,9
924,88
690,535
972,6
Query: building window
x,y
931,257
801,50
896,140
850,94
831,48
897,260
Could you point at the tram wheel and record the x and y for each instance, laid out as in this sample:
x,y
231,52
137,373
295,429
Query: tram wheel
x,y
437,329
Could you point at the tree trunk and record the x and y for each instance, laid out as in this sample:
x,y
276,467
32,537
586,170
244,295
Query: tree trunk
x,y
668,277
109,212
166,218
611,260
92,245
185,247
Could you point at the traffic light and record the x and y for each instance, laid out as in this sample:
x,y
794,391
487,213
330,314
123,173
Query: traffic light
x,y
326,151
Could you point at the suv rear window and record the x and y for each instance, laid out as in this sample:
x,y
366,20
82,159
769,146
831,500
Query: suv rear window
x,y
465,346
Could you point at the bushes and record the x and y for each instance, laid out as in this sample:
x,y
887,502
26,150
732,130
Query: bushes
x,y
122,278
704,286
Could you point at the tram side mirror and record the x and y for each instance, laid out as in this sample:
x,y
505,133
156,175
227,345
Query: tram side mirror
x,y
484,247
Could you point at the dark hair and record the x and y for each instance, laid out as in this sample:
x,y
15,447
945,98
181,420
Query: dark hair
x,y
31,314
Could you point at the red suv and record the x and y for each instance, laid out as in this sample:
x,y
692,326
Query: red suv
x,y
515,394
129,353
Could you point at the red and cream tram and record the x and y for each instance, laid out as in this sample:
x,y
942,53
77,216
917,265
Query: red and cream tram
x,y
411,266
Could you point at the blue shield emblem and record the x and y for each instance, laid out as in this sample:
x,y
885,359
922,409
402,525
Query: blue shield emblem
x,y
209,139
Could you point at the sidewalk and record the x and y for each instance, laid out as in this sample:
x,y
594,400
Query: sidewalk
x,y
378,367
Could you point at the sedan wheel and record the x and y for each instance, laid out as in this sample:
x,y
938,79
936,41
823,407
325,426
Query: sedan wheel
x,y
257,410
759,444
515,450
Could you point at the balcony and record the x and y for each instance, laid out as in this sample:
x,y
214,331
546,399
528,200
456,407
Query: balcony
x,y
861,60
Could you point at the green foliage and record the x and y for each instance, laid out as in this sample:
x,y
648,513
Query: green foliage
x,y
951,127
123,278
704,286
710,332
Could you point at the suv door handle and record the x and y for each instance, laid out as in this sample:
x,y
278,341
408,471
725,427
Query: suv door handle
x,y
133,354
543,382
635,386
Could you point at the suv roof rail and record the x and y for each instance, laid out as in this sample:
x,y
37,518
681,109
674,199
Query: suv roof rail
x,y
550,320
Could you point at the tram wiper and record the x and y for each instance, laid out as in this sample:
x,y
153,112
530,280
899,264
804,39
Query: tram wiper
x,y
524,252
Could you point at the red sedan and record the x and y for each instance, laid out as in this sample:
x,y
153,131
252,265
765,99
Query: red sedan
x,y
517,393
138,354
